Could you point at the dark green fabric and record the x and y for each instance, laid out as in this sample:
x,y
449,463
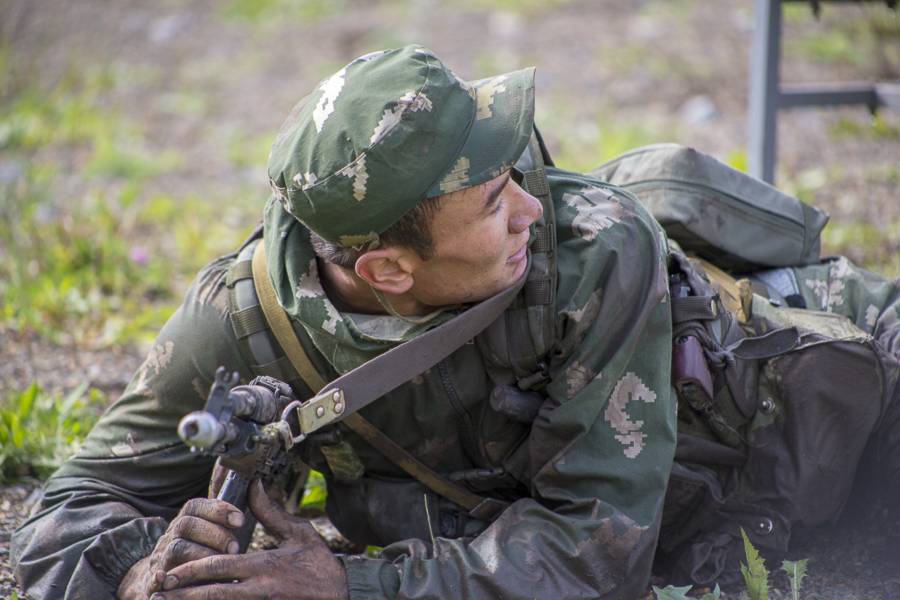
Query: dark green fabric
x,y
735,221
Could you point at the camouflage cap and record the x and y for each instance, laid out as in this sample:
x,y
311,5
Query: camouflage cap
x,y
388,130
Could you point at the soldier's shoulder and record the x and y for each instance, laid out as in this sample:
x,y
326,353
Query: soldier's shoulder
x,y
212,284
602,233
596,217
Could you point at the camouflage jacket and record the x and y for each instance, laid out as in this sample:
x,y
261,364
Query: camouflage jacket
x,y
587,494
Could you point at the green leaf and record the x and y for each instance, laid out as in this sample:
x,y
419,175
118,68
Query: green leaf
x,y
756,576
26,401
713,595
672,593
796,571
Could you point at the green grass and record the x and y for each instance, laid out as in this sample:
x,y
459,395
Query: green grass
x,y
873,247
89,252
267,11
523,7
854,35
584,145
878,127
39,430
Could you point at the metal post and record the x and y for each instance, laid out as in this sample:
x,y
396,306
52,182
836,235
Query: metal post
x,y
764,91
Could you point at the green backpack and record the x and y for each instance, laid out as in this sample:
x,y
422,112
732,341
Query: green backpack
x,y
736,222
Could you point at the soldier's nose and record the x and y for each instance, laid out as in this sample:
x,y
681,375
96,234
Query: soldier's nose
x,y
527,212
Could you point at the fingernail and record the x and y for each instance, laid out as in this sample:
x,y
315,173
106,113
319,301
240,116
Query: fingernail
x,y
157,597
235,519
171,582
233,547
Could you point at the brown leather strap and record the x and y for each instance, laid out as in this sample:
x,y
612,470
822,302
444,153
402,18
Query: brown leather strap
x,y
279,322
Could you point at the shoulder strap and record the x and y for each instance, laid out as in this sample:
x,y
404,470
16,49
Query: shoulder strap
x,y
401,365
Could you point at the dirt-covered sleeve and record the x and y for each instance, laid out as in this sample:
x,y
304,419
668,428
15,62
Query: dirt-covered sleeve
x,y
104,509
601,447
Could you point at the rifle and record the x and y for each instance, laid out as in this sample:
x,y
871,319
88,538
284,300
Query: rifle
x,y
248,427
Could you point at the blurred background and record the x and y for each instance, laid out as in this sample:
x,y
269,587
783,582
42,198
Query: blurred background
x,y
133,140
133,135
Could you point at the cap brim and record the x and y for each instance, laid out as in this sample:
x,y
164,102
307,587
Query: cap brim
x,y
500,130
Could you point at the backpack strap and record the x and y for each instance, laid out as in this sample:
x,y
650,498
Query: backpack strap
x,y
484,508
255,341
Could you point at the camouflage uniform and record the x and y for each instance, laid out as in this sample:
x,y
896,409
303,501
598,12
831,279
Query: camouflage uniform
x,y
586,478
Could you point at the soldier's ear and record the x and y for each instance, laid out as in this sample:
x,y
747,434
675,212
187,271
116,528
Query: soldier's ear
x,y
388,270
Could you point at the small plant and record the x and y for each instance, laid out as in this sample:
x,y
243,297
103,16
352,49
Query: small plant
x,y
755,574
796,571
671,592
756,579
38,430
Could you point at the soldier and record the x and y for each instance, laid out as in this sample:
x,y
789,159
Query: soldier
x,y
395,206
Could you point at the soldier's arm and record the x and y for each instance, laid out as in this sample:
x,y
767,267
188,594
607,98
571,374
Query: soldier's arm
x,y
600,449
105,508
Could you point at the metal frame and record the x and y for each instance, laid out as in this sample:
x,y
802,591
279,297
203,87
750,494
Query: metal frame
x,y
767,96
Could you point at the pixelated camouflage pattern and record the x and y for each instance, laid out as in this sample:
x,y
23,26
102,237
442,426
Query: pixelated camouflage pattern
x,y
589,473
388,130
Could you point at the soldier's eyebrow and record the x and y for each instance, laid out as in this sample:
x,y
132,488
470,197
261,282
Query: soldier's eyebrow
x,y
492,196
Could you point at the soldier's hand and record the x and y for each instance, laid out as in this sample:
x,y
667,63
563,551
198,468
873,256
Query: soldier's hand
x,y
204,528
302,567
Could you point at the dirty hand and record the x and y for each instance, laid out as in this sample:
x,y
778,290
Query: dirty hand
x,y
302,567
203,528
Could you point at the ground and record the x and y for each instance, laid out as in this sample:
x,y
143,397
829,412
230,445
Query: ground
x,y
136,134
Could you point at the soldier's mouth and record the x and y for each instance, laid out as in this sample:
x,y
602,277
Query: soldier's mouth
x,y
519,254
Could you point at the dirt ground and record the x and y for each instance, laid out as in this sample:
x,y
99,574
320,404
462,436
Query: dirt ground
x,y
673,71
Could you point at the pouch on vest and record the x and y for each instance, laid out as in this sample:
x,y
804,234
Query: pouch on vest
x,y
735,221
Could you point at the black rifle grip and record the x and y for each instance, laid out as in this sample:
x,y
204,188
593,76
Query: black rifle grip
x,y
234,490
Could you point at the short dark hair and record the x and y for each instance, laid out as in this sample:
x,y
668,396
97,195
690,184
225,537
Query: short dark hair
x,y
412,230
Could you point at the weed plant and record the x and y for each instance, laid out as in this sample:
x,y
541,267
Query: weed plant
x,y
755,576
39,430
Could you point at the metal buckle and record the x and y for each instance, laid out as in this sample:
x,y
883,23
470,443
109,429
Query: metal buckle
x,y
321,410
285,429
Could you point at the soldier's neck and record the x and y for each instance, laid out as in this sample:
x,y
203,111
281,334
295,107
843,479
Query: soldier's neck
x,y
351,293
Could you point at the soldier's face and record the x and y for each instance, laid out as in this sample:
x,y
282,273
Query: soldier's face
x,y
480,242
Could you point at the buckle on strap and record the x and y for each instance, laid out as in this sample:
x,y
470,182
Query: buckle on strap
x,y
488,509
322,409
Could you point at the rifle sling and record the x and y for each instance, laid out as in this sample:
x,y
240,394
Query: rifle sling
x,y
352,391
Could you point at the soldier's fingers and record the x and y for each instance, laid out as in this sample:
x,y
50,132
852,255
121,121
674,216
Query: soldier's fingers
x,y
217,479
278,521
211,570
203,532
180,551
217,511
158,577
218,591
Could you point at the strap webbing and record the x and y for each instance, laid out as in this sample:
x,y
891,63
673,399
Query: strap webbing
x,y
248,321
280,324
